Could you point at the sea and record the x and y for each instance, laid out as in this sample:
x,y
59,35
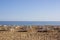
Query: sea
x,y
29,22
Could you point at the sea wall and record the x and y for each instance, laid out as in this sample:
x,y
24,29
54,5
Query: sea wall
x,y
33,32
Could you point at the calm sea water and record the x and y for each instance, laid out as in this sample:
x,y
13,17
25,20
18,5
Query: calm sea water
x,y
29,22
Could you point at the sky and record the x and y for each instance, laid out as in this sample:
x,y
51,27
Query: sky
x,y
29,10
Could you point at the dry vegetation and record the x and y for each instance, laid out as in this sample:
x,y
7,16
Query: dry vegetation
x,y
45,32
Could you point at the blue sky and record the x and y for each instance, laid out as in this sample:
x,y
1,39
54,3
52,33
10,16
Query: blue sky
x,y
29,10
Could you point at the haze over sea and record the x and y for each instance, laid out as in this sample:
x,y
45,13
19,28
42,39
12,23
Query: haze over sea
x,y
29,22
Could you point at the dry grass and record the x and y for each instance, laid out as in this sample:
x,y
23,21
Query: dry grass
x,y
29,35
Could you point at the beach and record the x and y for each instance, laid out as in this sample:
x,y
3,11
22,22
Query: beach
x,y
45,32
